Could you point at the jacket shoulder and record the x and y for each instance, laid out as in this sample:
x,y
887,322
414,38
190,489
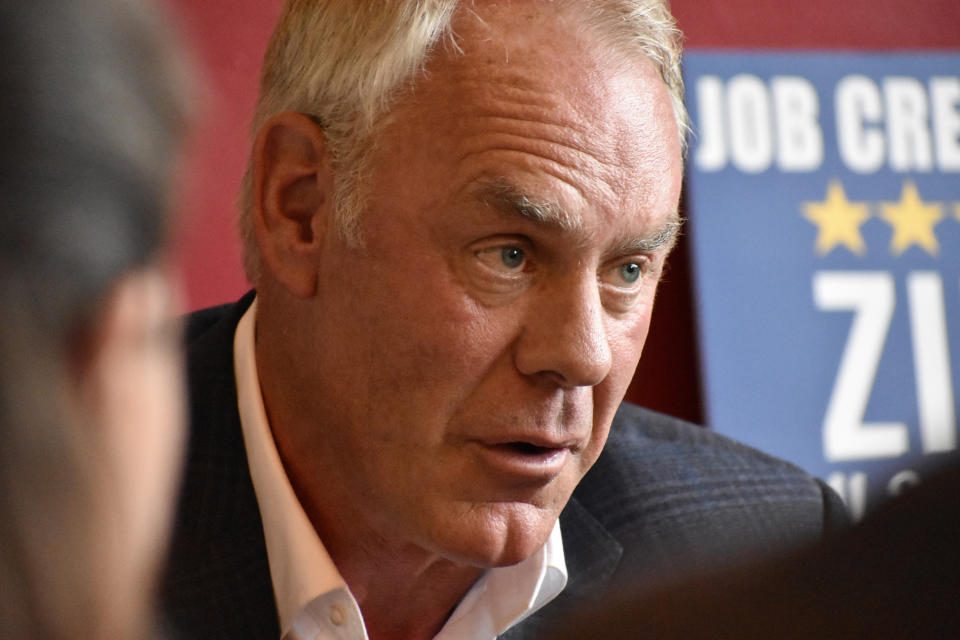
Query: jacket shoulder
x,y
677,493
200,322
196,323
217,579
684,447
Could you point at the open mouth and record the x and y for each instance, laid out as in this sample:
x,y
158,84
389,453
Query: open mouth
x,y
523,460
528,449
525,453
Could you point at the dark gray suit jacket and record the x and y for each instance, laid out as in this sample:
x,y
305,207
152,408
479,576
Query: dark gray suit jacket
x,y
664,497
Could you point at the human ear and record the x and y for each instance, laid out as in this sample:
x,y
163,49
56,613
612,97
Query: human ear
x,y
292,199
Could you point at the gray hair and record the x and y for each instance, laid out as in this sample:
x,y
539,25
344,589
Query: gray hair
x,y
343,62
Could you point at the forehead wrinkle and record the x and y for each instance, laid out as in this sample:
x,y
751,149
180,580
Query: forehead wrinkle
x,y
543,125
527,115
570,167
514,95
543,120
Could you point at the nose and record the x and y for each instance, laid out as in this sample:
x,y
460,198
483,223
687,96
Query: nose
x,y
564,336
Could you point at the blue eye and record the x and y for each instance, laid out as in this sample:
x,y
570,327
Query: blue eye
x,y
512,257
630,272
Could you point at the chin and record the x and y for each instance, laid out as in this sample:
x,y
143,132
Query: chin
x,y
503,535
515,553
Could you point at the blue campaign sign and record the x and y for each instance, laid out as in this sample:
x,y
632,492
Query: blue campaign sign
x,y
824,205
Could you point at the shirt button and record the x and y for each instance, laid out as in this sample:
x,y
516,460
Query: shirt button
x,y
337,615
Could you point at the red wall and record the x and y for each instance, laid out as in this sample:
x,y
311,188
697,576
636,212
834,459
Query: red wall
x,y
228,38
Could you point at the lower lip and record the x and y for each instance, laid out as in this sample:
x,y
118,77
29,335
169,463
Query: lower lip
x,y
511,462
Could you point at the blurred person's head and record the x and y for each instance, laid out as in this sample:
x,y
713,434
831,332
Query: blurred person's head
x,y
91,107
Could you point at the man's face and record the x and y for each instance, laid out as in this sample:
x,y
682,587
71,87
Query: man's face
x,y
467,361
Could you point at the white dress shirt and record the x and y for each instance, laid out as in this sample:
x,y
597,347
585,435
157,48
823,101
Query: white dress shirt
x,y
313,601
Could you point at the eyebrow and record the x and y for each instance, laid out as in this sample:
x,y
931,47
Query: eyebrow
x,y
666,236
503,195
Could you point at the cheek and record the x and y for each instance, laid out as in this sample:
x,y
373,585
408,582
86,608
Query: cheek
x,y
148,424
165,391
626,344
433,364
627,337
596,448
141,413
403,349
417,322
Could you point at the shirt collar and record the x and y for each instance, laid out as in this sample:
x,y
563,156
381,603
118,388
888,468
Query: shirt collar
x,y
301,568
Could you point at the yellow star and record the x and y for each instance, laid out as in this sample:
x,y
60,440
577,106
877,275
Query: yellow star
x,y
838,221
912,221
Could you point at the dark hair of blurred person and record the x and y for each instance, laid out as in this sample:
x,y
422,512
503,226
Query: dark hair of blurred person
x,y
91,107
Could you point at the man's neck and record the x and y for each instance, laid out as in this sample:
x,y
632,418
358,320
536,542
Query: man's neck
x,y
401,601
403,592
